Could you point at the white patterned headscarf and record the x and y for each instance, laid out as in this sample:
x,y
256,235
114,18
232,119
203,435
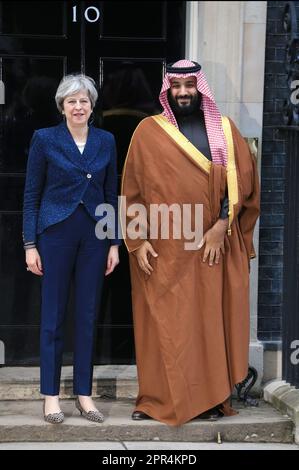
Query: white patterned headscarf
x,y
187,68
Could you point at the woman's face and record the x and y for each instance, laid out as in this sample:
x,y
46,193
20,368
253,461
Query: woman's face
x,y
77,108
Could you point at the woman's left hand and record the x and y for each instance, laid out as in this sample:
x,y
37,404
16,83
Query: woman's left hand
x,y
112,260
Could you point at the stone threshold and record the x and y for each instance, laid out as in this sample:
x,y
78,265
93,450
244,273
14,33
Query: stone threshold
x,y
109,381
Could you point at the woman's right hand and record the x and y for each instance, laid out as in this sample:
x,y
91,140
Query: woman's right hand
x,y
33,261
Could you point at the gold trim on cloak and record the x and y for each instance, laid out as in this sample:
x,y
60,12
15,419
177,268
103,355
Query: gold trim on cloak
x,y
231,172
204,162
183,142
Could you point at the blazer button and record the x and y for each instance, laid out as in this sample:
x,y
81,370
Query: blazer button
x,y
88,175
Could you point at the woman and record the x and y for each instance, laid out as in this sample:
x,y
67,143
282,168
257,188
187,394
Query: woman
x,y
71,170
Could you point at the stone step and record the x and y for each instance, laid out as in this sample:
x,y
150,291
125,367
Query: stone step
x,y
21,421
109,381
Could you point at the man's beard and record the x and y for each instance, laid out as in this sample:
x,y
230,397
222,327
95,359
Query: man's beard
x,y
186,109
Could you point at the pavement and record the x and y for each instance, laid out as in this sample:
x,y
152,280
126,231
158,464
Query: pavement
x,y
149,446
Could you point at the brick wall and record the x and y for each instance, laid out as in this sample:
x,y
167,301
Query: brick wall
x,y
272,181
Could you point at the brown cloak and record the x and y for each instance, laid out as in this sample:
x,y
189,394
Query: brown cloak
x,y
191,321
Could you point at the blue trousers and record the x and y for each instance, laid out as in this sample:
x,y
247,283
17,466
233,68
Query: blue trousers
x,y
70,248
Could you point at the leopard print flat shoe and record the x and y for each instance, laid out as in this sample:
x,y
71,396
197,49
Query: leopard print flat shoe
x,y
53,418
92,415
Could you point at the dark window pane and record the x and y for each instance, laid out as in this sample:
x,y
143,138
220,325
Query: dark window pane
x,y
11,192
20,297
130,93
41,17
30,87
142,19
21,345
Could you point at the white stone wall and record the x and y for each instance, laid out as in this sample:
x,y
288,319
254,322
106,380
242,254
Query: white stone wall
x,y
228,40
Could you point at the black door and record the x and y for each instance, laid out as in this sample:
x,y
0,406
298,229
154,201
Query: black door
x,y
124,46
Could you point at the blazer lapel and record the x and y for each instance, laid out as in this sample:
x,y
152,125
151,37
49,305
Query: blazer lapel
x,y
71,150
92,145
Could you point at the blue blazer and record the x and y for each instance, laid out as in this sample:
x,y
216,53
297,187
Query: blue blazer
x,y
59,177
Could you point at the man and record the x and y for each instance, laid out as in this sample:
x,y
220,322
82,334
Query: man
x,y
190,307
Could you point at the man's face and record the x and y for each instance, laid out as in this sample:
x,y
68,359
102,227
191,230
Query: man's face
x,y
183,95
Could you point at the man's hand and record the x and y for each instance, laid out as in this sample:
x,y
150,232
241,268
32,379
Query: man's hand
x,y
142,257
214,241
33,261
112,259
